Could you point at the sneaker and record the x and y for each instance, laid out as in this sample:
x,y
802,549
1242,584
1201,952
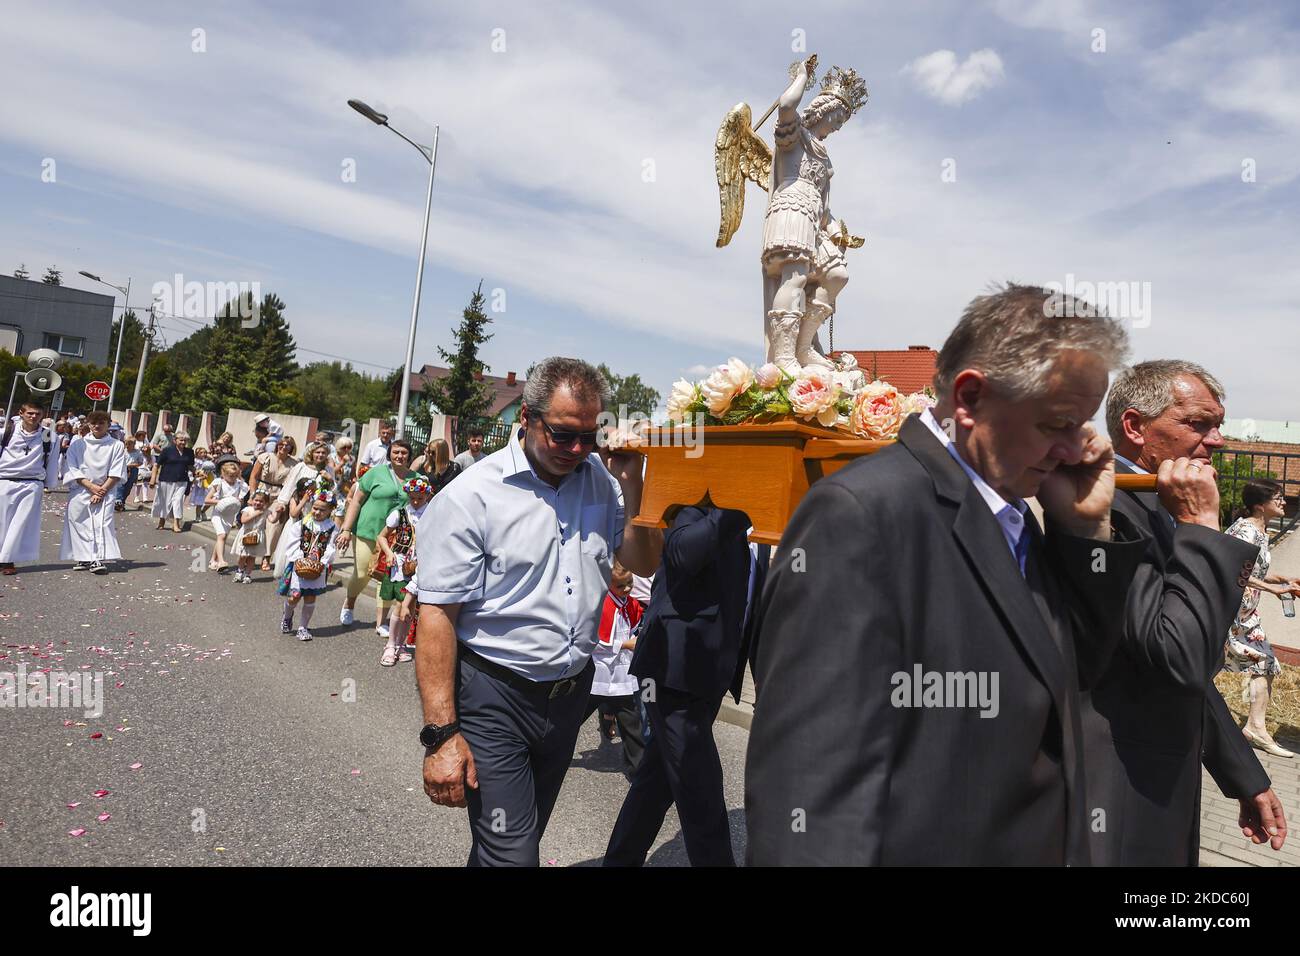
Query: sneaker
x,y
404,655
80,566
286,625
345,616
304,634
98,567
389,657
382,631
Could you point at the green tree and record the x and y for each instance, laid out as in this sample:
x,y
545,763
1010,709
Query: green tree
x,y
272,367
163,385
53,276
630,391
333,391
131,345
223,381
459,394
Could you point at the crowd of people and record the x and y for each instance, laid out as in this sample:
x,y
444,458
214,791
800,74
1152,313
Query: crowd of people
x,y
1020,694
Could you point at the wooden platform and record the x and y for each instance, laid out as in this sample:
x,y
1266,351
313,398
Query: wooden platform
x,y
762,470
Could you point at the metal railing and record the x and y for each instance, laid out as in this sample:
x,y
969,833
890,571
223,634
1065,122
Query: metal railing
x,y
1236,467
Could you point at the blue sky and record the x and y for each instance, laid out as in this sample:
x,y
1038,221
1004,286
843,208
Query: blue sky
x,y
225,165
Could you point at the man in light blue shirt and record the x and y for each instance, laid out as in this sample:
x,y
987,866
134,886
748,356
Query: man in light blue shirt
x,y
511,582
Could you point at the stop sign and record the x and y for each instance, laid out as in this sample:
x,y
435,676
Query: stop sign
x,y
97,391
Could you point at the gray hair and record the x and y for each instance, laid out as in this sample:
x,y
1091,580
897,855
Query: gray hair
x,y
1148,387
185,435
583,379
1016,333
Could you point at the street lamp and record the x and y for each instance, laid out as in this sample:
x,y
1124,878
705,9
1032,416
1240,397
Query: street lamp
x,y
431,157
121,330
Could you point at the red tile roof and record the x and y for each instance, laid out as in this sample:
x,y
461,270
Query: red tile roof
x,y
908,370
504,394
1285,469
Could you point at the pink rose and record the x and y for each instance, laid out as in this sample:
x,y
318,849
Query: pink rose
x,y
813,395
916,403
768,376
877,412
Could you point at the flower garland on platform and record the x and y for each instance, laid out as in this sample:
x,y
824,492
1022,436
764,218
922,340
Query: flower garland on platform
x,y
735,394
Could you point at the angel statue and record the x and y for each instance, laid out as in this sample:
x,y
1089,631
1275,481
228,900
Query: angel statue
x,y
804,265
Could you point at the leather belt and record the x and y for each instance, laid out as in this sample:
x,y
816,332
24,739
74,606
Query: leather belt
x,y
551,688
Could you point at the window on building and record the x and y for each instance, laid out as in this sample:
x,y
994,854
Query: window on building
x,y
65,344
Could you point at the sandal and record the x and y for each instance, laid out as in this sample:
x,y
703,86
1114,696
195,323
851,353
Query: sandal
x,y
390,656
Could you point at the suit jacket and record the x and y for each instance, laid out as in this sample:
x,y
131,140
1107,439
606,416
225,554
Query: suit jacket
x,y
690,640
895,565
1148,718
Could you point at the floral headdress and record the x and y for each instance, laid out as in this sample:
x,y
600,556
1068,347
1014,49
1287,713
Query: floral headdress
x,y
417,485
325,495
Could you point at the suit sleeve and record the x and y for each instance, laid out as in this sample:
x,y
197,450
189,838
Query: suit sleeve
x,y
1095,578
1229,758
830,646
1178,616
695,539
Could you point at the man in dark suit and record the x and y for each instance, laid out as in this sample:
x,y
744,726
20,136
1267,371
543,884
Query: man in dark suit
x,y
923,643
688,655
1156,716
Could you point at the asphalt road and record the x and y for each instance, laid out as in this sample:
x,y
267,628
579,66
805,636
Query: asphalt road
x,y
249,750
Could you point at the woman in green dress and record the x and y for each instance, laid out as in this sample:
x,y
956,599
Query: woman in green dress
x,y
374,497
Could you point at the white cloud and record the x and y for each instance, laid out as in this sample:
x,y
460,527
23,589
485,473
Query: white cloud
x,y
940,76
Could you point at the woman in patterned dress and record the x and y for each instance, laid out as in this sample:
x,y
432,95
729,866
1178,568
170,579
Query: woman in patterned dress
x,y
1248,650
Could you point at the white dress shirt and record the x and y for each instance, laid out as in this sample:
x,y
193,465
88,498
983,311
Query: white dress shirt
x,y
375,453
1010,516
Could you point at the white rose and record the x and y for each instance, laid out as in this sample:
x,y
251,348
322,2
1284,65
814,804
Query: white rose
x,y
724,384
680,399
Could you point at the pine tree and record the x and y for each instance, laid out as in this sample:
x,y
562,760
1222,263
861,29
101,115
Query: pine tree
x,y
224,380
133,342
21,272
273,366
53,276
459,394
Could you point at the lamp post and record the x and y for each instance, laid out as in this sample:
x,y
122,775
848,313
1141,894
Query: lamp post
x,y
121,330
144,357
431,157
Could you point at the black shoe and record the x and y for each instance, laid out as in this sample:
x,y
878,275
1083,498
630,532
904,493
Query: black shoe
x,y
286,626
98,567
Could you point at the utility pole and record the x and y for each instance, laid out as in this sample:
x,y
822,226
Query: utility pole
x,y
144,357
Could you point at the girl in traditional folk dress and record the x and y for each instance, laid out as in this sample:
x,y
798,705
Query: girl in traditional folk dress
x,y
225,495
250,539
309,552
143,493
200,481
396,565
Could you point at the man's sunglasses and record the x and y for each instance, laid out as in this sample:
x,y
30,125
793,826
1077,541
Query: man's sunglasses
x,y
567,438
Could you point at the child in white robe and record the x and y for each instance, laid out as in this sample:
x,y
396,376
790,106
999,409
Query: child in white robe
x,y
25,452
96,462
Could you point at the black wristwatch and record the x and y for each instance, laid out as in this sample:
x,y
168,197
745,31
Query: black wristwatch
x,y
434,736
